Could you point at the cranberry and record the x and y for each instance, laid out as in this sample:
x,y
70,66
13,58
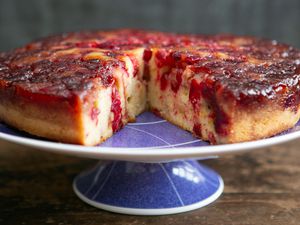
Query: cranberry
x,y
175,83
207,91
147,55
195,93
197,129
146,74
116,109
164,81
164,59
156,112
212,138
221,121
160,56
135,66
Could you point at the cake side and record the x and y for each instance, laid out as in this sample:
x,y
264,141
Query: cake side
x,y
42,115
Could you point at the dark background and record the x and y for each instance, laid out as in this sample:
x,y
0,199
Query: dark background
x,y
25,20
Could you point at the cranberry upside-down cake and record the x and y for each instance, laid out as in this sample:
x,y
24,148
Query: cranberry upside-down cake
x,y
82,87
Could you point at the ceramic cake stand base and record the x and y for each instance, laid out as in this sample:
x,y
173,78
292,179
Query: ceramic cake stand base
x,y
149,188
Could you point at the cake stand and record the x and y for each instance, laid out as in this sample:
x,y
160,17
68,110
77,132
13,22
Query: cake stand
x,y
149,167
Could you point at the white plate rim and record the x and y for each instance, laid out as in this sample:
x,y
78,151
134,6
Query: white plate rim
x,y
146,153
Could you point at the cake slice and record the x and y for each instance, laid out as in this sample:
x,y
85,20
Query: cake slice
x,y
76,95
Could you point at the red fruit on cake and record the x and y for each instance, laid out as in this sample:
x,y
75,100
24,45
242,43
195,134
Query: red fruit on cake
x,y
82,87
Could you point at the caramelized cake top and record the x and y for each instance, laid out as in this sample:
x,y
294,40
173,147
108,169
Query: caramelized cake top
x,y
245,69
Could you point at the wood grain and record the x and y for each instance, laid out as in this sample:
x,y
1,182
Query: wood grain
x,y
261,187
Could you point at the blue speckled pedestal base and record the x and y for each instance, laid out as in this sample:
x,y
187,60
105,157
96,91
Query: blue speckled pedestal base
x,y
149,189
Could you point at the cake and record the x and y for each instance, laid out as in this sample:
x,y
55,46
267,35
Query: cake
x,y
82,87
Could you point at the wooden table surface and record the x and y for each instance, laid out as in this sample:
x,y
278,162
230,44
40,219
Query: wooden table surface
x,y
261,187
